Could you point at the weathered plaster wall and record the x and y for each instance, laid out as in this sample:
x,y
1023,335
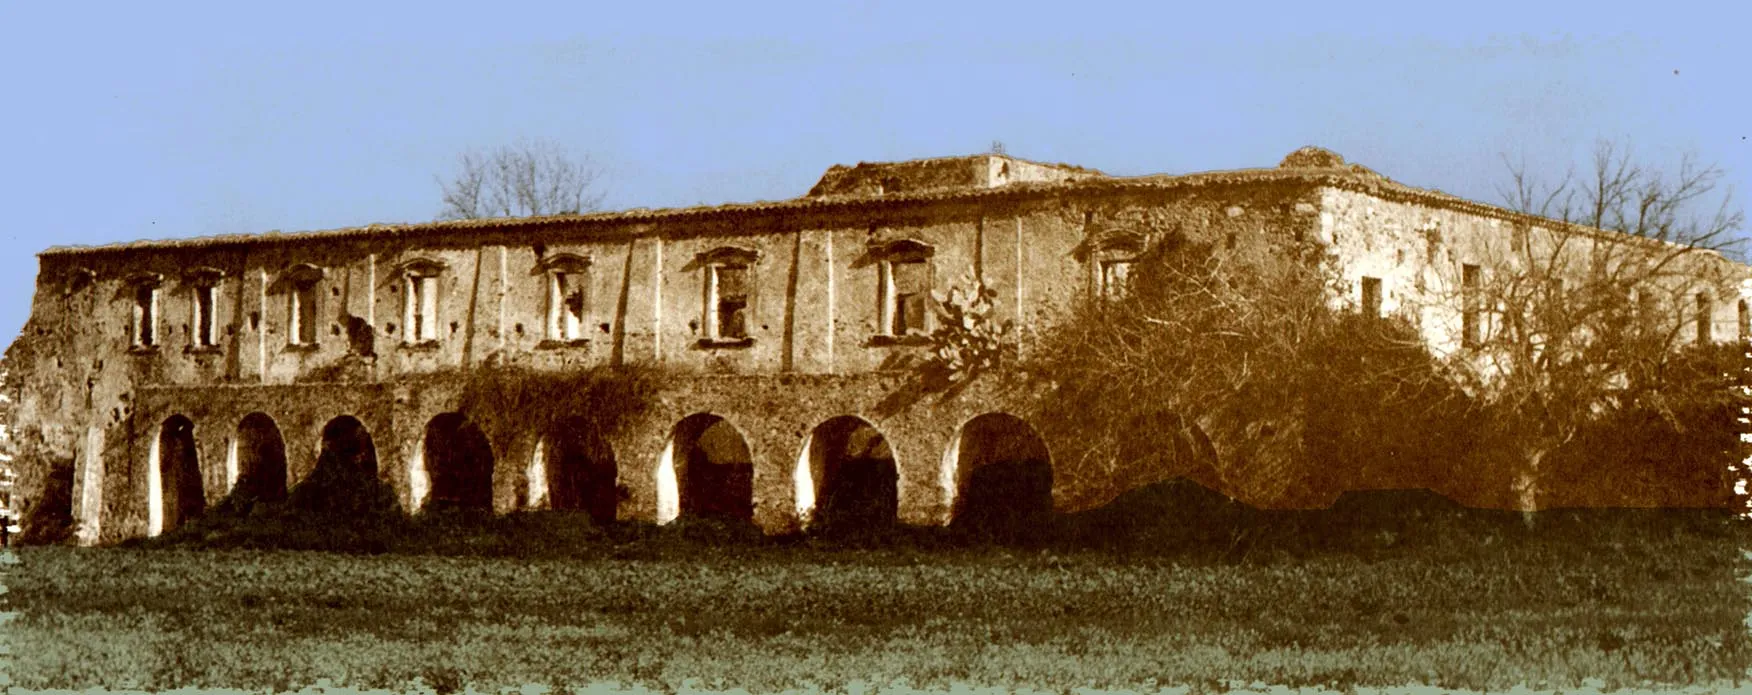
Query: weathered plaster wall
x,y
1419,251
87,399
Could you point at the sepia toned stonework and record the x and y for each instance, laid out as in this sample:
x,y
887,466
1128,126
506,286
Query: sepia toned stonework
x,y
161,371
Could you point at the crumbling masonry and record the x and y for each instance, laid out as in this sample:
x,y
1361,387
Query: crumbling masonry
x,y
166,372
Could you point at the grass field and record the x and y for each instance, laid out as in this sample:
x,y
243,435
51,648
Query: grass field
x,y
1645,604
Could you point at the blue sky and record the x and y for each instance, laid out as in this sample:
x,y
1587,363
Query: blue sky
x,y
130,122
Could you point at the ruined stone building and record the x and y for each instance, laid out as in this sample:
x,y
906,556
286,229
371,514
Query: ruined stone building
x,y
164,372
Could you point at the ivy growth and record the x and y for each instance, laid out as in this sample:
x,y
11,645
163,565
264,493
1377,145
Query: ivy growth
x,y
509,401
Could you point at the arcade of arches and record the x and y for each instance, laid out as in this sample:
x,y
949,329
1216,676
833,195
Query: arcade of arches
x,y
996,474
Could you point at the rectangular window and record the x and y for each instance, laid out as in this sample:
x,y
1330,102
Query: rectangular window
x,y
729,302
204,328
906,289
1471,279
1745,320
1115,279
422,308
303,314
1705,317
566,301
145,315
1372,297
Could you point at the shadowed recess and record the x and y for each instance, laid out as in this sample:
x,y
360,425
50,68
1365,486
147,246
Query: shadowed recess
x,y
713,468
180,472
857,481
261,459
460,463
581,471
1004,479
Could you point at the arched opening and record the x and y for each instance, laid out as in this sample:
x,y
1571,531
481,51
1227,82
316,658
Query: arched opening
x,y
459,462
855,481
1003,478
581,472
345,479
261,459
181,497
706,471
347,449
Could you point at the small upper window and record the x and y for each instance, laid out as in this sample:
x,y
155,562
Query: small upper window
x,y
1471,285
1705,318
204,285
905,286
1115,279
568,296
143,329
420,304
1372,297
729,294
301,304
1112,252
1745,320
729,301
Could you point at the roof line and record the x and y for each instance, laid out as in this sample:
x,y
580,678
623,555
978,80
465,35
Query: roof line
x,y
1369,183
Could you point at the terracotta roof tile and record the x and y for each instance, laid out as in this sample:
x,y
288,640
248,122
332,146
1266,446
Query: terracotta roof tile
x,y
1348,177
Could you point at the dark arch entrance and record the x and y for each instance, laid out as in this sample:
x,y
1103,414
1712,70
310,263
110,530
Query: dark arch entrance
x,y
459,462
1003,477
857,484
347,449
345,480
261,459
714,471
581,471
179,473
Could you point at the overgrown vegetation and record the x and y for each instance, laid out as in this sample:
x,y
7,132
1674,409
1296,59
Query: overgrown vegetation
x,y
1585,375
1241,375
509,401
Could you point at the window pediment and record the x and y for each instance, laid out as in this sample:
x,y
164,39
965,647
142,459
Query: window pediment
x,y
564,263
205,276
1114,242
301,274
422,267
727,255
146,278
902,250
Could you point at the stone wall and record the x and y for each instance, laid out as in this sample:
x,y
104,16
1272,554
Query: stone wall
x,y
815,349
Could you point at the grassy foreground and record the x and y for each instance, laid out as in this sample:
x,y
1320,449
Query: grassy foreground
x,y
1645,605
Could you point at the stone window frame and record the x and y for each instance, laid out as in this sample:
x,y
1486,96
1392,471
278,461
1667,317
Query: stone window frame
x,y
559,271
422,311
303,305
712,263
1112,256
203,284
145,311
888,310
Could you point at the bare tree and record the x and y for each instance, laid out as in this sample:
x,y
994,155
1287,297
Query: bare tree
x,y
1585,313
527,179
